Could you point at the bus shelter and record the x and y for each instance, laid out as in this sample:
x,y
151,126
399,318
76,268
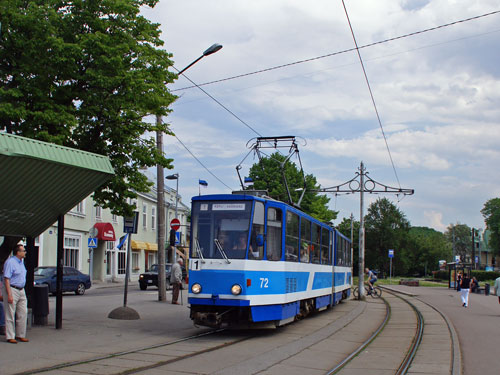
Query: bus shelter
x,y
454,269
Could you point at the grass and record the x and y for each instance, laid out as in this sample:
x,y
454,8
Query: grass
x,y
395,281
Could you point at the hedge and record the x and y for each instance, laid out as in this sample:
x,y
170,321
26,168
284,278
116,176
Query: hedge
x,y
480,275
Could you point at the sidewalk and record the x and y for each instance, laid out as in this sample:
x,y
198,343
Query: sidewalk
x,y
87,332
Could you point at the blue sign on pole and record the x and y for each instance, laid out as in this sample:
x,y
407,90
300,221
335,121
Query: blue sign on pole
x,y
92,242
177,238
391,253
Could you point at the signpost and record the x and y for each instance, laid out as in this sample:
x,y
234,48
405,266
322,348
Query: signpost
x,y
391,255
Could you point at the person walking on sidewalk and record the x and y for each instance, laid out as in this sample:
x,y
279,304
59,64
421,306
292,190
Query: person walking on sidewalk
x,y
497,288
176,280
14,296
465,289
2,315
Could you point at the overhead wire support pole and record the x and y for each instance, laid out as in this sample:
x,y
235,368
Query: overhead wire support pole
x,y
365,184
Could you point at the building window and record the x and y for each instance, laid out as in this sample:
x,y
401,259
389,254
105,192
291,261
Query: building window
x,y
122,259
144,216
72,251
153,217
98,212
79,209
135,262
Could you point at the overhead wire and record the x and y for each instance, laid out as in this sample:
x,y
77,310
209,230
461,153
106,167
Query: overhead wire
x,y
340,52
371,93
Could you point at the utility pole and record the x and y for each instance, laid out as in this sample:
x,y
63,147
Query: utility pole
x,y
160,187
352,239
160,194
365,184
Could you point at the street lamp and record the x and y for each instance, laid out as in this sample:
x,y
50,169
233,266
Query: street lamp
x,y
175,177
172,231
162,296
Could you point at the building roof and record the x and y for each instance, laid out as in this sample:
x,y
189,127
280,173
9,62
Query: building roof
x,y
40,181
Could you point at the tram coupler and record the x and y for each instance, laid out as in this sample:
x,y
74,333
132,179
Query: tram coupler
x,y
208,319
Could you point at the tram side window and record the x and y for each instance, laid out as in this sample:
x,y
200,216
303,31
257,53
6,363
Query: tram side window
x,y
292,237
316,243
257,252
342,246
325,242
274,232
305,240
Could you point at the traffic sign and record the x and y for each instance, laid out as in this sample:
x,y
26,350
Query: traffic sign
x,y
391,253
130,223
92,242
175,224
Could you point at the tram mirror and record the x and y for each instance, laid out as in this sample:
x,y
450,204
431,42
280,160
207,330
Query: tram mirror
x,y
260,240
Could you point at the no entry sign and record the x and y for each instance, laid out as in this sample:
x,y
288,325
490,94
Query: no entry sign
x,y
175,224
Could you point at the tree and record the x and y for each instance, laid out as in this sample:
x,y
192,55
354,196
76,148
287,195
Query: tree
x,y
422,250
267,175
459,235
85,74
386,227
491,214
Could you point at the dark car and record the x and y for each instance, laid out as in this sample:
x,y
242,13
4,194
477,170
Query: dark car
x,y
73,280
150,278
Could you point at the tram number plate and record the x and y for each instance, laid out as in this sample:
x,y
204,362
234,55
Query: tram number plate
x,y
264,282
195,264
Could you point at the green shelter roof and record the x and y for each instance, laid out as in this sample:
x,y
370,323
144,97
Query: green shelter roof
x,y
40,181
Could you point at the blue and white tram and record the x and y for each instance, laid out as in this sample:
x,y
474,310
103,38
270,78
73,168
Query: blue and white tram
x,y
254,260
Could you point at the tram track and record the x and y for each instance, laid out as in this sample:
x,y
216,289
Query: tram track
x,y
103,358
384,334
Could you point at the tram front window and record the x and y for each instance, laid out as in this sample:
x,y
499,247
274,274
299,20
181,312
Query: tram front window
x,y
223,223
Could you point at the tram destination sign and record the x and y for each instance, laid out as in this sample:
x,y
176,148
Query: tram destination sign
x,y
228,207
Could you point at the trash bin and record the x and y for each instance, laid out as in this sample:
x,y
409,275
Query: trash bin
x,y
40,304
486,289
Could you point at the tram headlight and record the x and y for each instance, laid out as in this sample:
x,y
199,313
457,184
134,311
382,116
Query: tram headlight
x,y
236,289
196,288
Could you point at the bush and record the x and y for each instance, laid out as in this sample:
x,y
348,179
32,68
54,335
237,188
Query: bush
x,y
480,275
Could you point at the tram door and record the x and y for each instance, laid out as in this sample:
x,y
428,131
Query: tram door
x,y
274,231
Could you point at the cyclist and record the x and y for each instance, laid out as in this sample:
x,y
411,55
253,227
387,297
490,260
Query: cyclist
x,y
372,279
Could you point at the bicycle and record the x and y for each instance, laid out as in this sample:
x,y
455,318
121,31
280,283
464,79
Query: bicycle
x,y
376,291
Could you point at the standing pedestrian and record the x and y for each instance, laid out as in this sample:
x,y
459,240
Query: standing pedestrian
x,y
14,296
497,288
465,289
176,280
2,316
459,281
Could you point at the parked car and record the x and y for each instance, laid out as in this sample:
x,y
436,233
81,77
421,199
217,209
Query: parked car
x,y
150,278
73,280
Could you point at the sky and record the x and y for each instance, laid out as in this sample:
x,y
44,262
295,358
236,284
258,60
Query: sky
x,y
437,95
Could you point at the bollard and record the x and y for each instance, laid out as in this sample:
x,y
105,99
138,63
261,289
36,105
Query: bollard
x,y
486,289
40,304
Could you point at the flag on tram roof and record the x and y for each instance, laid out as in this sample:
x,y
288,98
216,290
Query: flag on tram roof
x,y
203,183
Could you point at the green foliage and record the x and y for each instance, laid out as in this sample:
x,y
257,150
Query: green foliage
x,y
480,275
386,227
491,213
85,74
461,236
425,247
267,175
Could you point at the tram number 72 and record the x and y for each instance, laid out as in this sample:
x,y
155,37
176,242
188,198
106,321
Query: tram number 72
x,y
264,281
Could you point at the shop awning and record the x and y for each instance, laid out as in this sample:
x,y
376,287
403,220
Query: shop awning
x,y
40,181
140,245
105,231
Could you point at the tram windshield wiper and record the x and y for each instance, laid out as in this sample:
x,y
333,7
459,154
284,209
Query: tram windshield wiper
x,y
198,250
219,247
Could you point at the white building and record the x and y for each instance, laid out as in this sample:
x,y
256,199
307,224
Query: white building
x,y
107,262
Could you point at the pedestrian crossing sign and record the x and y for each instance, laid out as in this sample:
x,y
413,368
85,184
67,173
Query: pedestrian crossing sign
x,y
92,242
